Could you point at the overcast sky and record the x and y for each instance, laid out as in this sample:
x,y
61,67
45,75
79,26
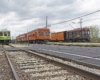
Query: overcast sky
x,y
20,16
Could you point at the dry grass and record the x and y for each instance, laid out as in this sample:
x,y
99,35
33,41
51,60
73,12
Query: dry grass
x,y
75,44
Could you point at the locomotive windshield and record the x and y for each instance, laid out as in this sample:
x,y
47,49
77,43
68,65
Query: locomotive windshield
x,y
41,33
1,34
8,33
5,33
47,33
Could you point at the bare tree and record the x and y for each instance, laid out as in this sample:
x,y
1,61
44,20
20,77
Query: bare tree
x,y
94,34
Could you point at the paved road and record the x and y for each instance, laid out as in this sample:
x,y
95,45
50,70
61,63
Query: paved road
x,y
85,54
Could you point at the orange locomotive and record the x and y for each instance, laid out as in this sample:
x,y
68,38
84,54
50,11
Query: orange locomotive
x,y
40,35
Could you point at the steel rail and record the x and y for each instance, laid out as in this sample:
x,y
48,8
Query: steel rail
x,y
11,66
71,60
84,73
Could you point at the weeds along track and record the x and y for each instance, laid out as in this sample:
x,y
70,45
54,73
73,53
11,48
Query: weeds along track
x,y
35,68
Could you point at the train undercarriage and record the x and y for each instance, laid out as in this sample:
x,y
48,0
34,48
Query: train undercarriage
x,y
5,42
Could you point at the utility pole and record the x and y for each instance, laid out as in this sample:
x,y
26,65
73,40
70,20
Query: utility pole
x,y
27,37
46,27
81,26
46,22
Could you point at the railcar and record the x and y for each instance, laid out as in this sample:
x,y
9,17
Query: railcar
x,y
76,35
40,35
59,36
5,37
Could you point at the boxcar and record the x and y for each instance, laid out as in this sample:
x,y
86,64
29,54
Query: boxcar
x,y
78,35
59,36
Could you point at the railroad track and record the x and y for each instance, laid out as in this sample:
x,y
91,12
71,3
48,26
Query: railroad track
x,y
14,73
30,65
87,72
39,69
5,70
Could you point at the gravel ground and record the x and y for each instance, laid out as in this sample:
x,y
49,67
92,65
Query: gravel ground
x,y
5,71
37,69
97,71
94,70
20,45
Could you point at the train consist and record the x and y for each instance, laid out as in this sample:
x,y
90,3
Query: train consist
x,y
5,37
76,35
42,35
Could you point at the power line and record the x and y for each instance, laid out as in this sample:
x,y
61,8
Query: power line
x,y
71,26
70,5
76,17
91,19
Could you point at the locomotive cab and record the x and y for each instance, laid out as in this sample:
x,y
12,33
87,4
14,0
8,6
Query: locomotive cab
x,y
5,37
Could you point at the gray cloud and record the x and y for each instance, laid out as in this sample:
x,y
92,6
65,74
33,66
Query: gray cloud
x,y
21,14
